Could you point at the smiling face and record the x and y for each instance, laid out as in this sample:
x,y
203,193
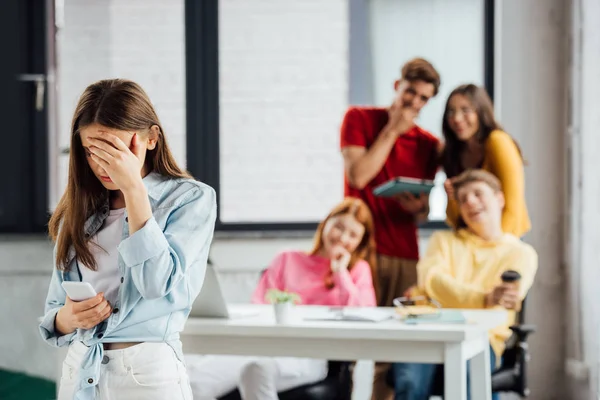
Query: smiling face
x,y
98,131
413,94
342,230
462,117
480,206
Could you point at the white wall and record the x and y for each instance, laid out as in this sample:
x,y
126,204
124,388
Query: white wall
x,y
583,142
532,86
24,276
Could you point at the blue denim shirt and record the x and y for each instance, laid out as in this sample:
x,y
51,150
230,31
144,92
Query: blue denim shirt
x,y
162,269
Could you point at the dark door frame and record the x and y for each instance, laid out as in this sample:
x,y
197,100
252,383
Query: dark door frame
x,y
24,137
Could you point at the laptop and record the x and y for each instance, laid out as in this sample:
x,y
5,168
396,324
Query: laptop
x,y
210,303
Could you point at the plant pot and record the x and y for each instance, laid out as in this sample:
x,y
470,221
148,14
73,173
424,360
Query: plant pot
x,y
284,312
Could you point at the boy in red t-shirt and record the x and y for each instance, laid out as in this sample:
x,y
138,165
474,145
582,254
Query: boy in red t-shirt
x,y
379,144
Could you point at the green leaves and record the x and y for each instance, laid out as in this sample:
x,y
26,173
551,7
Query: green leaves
x,y
281,296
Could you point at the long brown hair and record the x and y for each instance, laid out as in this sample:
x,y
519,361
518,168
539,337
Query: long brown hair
x,y
117,104
365,249
481,102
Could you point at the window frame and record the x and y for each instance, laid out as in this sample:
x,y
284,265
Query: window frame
x,y
202,97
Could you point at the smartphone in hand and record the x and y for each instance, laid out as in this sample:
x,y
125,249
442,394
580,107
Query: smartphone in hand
x,y
79,291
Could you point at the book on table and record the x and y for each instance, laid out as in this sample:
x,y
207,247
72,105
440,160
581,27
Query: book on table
x,y
402,184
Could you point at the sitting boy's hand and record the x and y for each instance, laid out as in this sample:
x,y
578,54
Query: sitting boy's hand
x,y
510,299
411,291
505,295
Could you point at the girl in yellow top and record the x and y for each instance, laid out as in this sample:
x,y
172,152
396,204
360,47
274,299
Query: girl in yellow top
x,y
475,140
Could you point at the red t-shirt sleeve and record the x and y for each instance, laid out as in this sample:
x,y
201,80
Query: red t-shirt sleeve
x,y
433,161
353,129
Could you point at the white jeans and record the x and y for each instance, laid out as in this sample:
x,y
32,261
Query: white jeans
x,y
147,371
258,378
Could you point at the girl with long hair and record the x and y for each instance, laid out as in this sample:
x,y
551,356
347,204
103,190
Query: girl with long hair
x,y
138,229
475,140
336,272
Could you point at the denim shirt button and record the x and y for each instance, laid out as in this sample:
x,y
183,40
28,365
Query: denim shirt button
x,y
90,381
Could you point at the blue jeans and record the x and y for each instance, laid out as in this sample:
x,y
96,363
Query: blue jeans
x,y
415,381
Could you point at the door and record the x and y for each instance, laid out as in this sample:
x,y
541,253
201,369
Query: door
x,y
24,164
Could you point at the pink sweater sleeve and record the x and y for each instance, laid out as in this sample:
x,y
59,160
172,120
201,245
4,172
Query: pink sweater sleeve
x,y
270,279
356,286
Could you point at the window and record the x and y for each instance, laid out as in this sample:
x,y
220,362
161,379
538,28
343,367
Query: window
x,y
448,33
268,85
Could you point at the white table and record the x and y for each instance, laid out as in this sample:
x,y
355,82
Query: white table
x,y
388,341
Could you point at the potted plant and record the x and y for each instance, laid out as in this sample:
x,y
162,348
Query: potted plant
x,y
283,303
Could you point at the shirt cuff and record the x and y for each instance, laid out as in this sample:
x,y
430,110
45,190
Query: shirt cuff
x,y
144,244
48,332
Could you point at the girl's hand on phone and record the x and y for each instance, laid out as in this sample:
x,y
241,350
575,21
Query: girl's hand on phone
x,y
82,314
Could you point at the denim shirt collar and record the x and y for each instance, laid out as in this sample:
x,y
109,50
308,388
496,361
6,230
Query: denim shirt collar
x,y
93,223
154,183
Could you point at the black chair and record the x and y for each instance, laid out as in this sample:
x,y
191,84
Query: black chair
x,y
511,376
336,386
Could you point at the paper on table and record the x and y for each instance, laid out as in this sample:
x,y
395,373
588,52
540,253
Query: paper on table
x,y
446,316
352,314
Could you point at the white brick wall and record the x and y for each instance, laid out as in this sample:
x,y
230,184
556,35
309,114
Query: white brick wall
x,y
148,46
284,88
141,40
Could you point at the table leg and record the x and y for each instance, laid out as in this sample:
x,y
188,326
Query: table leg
x,y
481,374
455,372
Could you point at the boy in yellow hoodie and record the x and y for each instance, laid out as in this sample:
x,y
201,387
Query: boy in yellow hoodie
x,y
462,269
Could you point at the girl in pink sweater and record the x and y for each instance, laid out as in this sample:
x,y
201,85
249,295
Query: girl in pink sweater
x,y
336,272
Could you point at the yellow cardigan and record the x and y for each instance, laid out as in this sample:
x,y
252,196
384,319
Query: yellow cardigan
x,y
502,159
